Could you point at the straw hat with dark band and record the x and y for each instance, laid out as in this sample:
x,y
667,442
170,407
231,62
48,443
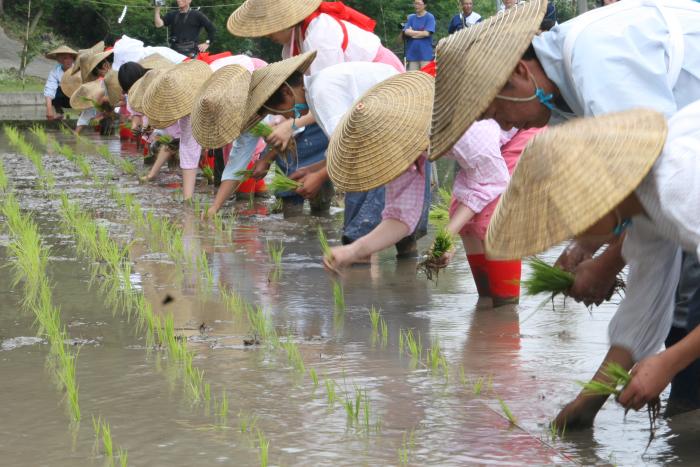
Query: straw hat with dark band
x,y
217,115
90,63
95,49
171,95
138,90
266,80
572,175
378,139
473,65
87,95
257,18
155,61
64,49
114,90
70,83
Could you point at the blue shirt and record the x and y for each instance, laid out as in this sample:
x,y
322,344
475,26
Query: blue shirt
x,y
459,21
420,50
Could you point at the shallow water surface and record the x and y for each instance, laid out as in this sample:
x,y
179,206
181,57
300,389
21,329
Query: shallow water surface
x,y
526,356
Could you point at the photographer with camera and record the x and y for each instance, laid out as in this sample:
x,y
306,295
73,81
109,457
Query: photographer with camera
x,y
185,25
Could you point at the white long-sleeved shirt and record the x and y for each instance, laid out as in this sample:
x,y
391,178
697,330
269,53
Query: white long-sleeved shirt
x,y
620,61
53,82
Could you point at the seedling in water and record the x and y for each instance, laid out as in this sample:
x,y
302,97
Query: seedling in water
x,y
374,319
436,358
275,250
330,392
314,377
293,355
338,296
412,345
507,412
247,423
223,408
325,247
264,446
407,446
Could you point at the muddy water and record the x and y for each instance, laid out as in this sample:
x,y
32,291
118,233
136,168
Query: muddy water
x,y
532,357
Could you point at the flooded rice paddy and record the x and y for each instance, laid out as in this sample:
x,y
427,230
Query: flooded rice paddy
x,y
320,384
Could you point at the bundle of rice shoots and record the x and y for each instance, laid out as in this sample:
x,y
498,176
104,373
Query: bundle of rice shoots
x,y
444,242
281,183
618,376
208,174
325,247
165,139
244,174
261,130
445,196
550,279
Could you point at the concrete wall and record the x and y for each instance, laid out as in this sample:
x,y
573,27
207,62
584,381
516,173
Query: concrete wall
x,y
21,99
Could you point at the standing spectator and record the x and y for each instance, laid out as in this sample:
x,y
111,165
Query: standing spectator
x,y
65,56
418,32
186,25
506,4
466,18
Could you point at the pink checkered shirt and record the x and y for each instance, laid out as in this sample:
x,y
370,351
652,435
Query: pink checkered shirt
x,y
190,150
483,173
405,195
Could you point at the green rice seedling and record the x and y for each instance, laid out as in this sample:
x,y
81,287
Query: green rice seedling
x,y
127,167
203,266
412,345
261,130
218,222
478,385
223,408
40,134
617,378
384,331
247,422
197,205
263,446
352,406
275,251
444,242
338,296
97,427
20,143
277,206
546,278
261,325
407,447
165,139
208,173
436,358
281,183
330,392
123,457
507,412
314,377
107,440
207,392
554,431
325,247
293,355
374,317
244,174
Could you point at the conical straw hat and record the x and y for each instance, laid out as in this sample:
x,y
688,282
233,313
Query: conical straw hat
x,y
257,18
171,95
64,49
572,175
95,49
70,83
266,80
87,95
161,125
155,61
383,133
139,88
114,90
473,65
89,64
217,114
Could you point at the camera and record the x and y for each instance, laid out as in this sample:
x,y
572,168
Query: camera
x,y
159,2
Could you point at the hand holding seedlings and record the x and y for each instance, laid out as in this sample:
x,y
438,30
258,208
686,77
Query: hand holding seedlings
x,y
439,254
648,379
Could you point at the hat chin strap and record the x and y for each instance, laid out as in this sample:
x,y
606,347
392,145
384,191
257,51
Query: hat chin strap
x,y
545,99
296,108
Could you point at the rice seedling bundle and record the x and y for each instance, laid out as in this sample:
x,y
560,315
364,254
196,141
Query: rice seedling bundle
x,y
208,173
165,139
244,174
552,280
20,143
293,355
4,182
314,377
443,243
264,446
261,130
338,296
325,247
330,391
281,183
40,134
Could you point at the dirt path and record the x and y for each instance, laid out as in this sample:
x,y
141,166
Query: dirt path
x,y
9,57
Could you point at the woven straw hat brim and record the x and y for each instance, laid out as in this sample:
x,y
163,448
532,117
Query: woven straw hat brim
x,y
155,61
139,88
64,49
114,90
95,49
256,18
266,80
217,114
171,95
90,63
383,133
159,125
70,83
570,176
473,65
86,95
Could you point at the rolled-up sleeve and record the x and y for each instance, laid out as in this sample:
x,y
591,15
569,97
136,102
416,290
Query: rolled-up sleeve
x,y
483,174
242,152
53,82
404,196
644,317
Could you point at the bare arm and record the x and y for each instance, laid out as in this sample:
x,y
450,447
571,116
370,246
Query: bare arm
x,y
224,192
157,20
49,108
